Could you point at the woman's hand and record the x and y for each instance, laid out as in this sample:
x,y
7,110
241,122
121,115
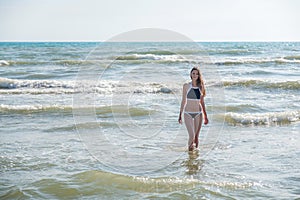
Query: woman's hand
x,y
205,120
179,119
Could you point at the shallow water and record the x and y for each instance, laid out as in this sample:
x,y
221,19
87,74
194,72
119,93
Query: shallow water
x,y
73,128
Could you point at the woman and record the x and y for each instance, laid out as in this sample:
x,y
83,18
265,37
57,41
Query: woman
x,y
194,107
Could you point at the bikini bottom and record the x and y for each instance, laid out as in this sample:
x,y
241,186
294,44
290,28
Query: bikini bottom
x,y
193,114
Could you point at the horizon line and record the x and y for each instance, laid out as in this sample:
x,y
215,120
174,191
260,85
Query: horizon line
x,y
3,41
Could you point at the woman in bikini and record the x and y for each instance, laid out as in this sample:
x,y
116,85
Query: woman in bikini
x,y
194,107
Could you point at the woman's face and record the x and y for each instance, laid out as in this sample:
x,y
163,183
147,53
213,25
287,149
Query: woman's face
x,y
194,74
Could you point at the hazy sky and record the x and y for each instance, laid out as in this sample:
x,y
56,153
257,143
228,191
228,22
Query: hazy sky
x,y
99,20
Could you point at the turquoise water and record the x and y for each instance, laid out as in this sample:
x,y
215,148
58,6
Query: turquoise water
x,y
99,120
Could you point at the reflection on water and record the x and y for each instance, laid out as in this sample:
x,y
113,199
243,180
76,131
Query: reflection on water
x,y
193,164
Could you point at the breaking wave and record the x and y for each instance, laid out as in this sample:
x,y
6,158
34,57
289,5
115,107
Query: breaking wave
x,y
270,118
16,86
286,85
249,60
3,63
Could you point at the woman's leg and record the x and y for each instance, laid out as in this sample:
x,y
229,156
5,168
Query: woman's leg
x,y
197,126
189,123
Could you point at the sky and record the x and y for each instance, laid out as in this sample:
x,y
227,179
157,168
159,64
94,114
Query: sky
x,y
100,20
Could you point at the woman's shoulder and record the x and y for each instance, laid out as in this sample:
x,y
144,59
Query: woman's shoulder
x,y
186,84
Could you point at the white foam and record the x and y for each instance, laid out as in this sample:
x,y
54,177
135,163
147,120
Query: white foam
x,y
3,62
263,118
6,83
14,86
159,57
15,83
172,58
252,60
32,107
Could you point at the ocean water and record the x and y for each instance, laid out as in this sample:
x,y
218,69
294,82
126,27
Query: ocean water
x,y
99,121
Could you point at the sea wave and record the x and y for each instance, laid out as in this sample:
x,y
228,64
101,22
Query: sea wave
x,y
21,86
127,59
95,183
259,60
82,126
293,57
156,58
4,63
6,83
243,108
47,62
232,51
101,111
286,85
270,118
147,184
154,52
175,51
27,109
150,56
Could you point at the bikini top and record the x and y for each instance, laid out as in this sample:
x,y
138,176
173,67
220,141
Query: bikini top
x,y
193,93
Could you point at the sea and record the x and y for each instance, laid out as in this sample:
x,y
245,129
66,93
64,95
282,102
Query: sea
x,y
99,120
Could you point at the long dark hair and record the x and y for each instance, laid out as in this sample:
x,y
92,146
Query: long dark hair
x,y
200,81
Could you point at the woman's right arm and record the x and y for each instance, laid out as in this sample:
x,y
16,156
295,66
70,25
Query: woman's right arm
x,y
183,102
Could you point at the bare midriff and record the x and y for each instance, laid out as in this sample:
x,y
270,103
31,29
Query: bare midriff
x,y
192,106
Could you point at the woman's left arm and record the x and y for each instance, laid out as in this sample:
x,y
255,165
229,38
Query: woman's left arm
x,y
203,110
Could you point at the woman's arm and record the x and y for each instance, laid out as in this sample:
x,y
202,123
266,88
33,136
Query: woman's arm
x,y
183,102
203,110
